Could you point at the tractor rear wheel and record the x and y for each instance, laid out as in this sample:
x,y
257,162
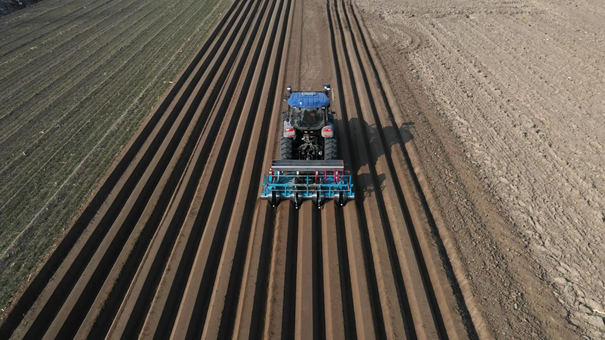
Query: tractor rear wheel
x,y
285,149
330,149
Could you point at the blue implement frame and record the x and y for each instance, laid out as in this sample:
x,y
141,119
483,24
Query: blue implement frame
x,y
300,180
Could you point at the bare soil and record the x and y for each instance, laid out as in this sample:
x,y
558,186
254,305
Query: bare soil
x,y
509,126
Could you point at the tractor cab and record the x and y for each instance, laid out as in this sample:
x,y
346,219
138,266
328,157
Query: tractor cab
x,y
308,110
308,132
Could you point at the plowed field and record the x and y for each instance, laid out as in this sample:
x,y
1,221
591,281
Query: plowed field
x,y
176,242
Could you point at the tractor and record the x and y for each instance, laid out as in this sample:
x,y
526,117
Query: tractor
x,y
308,126
309,168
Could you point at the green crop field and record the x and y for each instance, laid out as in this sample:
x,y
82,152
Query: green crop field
x,y
77,78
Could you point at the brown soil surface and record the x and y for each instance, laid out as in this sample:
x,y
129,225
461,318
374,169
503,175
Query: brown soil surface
x,y
177,243
509,126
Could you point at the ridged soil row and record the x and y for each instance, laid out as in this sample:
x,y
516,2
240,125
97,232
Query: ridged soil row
x,y
359,289
167,266
425,232
390,318
123,197
388,225
150,135
149,197
139,309
248,286
202,297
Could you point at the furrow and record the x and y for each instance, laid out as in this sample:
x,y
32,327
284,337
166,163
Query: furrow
x,y
377,223
133,313
221,317
150,135
405,258
335,285
444,300
351,249
123,217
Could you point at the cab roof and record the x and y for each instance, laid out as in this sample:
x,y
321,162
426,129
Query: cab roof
x,y
309,99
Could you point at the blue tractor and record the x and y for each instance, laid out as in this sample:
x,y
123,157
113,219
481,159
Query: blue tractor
x,y
308,168
308,132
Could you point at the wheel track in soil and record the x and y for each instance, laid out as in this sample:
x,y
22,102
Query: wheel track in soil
x,y
176,242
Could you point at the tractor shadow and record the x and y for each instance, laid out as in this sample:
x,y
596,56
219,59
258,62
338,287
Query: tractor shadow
x,y
376,142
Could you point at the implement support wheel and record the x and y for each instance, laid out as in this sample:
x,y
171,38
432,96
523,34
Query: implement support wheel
x,y
274,201
341,199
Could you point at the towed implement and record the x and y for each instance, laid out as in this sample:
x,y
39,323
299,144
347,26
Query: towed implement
x,y
297,180
308,168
